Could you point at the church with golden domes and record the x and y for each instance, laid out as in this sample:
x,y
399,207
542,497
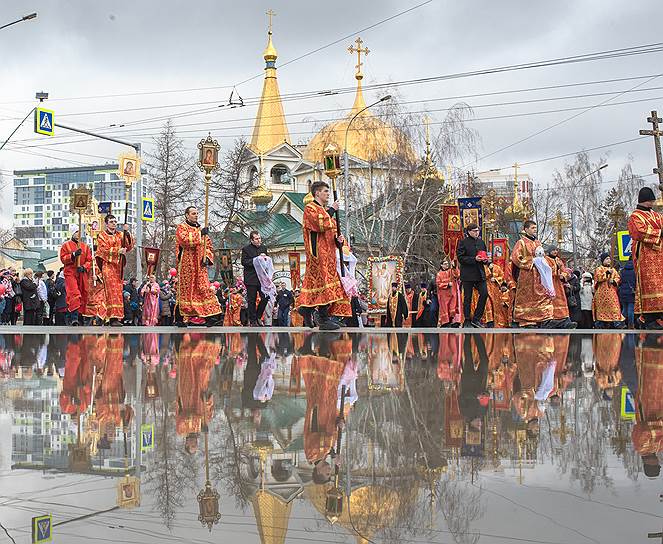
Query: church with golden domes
x,y
283,171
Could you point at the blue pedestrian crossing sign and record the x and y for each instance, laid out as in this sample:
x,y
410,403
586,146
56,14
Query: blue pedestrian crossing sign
x,y
44,122
42,527
624,243
147,212
627,410
147,437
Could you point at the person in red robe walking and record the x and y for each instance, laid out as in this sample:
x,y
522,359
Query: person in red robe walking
x,y
112,249
195,298
446,293
646,227
77,260
322,285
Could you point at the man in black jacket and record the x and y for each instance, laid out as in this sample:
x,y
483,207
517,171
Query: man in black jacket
x,y
250,252
472,255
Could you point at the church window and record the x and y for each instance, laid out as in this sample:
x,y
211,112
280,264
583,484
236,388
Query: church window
x,y
280,174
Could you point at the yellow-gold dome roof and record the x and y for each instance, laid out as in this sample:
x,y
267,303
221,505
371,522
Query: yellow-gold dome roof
x,y
372,507
369,137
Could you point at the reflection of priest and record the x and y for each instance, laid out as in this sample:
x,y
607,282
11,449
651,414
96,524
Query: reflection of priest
x,y
397,309
647,432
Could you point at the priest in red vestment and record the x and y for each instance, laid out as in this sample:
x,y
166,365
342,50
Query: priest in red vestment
x,y
322,285
560,275
647,432
645,227
195,297
112,249
445,281
77,260
533,305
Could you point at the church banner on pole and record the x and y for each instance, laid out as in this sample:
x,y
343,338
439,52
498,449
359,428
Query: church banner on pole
x,y
452,232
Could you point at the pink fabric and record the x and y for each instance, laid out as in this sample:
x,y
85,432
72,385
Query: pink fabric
x,y
151,304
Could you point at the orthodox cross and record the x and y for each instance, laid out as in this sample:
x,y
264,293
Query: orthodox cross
x,y
559,224
359,50
617,215
270,13
656,133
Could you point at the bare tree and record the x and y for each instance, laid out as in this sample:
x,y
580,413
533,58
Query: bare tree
x,y
231,188
175,181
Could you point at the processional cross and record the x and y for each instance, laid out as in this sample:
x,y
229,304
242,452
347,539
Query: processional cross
x,y
656,133
559,224
359,50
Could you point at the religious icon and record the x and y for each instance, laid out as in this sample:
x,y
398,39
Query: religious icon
x,y
129,168
498,252
470,215
384,366
453,223
128,492
79,199
95,225
383,271
209,156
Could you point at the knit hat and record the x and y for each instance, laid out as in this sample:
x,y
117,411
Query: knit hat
x,y
604,256
646,195
73,228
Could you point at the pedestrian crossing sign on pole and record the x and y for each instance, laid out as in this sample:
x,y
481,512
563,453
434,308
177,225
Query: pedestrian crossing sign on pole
x,y
627,404
147,437
42,529
44,122
147,212
624,243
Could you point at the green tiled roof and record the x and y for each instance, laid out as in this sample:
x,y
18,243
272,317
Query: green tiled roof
x,y
296,198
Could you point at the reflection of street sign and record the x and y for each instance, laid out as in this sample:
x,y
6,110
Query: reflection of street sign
x,y
147,213
147,437
44,122
104,208
41,529
627,404
624,245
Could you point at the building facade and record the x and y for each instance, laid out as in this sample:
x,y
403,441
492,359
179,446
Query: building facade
x,y
41,200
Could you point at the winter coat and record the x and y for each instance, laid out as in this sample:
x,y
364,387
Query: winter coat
x,y
29,295
627,287
586,293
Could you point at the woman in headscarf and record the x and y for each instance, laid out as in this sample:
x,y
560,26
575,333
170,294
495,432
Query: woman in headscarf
x,y
606,306
150,293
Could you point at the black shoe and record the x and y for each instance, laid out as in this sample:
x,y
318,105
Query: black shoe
x,y
653,326
474,323
180,324
329,325
307,314
467,324
115,323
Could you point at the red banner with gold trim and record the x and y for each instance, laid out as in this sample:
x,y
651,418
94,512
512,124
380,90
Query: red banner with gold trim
x,y
452,231
151,259
294,260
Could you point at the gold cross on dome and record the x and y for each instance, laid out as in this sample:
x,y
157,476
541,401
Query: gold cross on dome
x,y
359,50
270,13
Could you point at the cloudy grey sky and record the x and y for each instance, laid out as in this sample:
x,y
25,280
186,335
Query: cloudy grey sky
x,y
81,50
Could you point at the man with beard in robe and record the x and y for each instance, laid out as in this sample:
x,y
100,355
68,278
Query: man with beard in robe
x,y
397,309
646,227
533,306
77,260
112,249
196,301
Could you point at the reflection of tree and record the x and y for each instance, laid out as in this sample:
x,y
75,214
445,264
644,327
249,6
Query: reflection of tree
x,y
584,457
172,474
227,458
460,503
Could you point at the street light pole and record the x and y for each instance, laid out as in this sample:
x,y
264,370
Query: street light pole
x,y
346,166
24,18
573,212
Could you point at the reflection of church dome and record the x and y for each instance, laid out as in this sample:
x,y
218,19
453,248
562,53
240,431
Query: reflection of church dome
x,y
272,515
369,508
370,138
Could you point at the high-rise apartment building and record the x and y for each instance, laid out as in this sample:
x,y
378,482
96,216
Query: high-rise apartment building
x,y
41,200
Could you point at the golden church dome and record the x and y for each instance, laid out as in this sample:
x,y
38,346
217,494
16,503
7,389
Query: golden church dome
x,y
369,138
370,507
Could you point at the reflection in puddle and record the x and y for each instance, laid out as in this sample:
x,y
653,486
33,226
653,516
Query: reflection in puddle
x,y
389,437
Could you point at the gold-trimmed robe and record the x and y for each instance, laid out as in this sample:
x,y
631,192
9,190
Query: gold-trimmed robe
x,y
195,297
606,306
645,228
321,285
532,304
112,269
